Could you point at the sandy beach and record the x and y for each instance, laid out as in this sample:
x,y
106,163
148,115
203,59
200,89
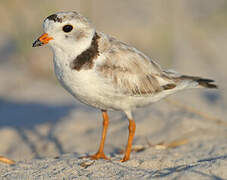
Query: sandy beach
x,y
46,131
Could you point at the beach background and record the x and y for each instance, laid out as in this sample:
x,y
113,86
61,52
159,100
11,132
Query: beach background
x,y
45,130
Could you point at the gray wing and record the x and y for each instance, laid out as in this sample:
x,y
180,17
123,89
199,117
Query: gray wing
x,y
129,70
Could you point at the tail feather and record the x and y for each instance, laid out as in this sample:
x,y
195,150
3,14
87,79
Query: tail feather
x,y
207,83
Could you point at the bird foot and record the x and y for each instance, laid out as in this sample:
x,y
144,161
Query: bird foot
x,y
98,155
124,159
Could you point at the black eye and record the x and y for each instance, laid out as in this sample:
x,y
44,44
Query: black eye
x,y
67,28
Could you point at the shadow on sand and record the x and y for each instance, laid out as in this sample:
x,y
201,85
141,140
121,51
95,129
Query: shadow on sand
x,y
26,116
182,168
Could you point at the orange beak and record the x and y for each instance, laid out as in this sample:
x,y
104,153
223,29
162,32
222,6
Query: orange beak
x,y
42,40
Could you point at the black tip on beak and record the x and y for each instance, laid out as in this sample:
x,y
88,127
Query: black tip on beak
x,y
37,43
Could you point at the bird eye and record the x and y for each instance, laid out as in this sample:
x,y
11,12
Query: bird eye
x,y
67,28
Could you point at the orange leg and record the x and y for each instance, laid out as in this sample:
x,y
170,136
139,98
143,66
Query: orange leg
x,y
132,129
100,153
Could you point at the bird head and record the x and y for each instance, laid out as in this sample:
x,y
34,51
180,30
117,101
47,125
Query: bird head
x,y
67,31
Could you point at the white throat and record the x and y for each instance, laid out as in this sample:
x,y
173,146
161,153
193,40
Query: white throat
x,y
69,51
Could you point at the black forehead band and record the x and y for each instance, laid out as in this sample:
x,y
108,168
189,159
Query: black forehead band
x,y
54,18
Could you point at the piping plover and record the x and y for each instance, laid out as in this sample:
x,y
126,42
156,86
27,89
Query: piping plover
x,y
106,73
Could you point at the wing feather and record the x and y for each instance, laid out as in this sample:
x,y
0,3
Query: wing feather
x,y
129,70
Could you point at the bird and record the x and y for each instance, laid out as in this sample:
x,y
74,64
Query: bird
x,y
105,73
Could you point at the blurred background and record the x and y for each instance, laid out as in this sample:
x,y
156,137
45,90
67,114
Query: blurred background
x,y
38,118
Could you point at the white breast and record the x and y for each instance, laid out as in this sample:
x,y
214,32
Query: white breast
x,y
75,82
89,88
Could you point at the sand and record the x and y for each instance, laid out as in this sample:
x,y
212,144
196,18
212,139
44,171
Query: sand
x,y
193,161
